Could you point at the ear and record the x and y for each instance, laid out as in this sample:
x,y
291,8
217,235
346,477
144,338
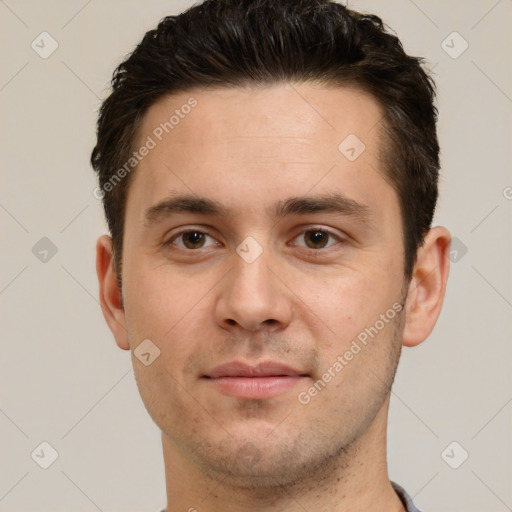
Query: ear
x,y
110,294
427,286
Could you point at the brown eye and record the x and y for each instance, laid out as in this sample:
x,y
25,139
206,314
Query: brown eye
x,y
193,239
316,239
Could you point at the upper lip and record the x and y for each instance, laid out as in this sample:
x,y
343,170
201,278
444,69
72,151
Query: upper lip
x,y
262,369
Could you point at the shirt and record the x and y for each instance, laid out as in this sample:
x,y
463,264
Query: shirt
x,y
404,497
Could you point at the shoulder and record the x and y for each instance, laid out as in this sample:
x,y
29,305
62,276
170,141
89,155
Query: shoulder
x,y
406,499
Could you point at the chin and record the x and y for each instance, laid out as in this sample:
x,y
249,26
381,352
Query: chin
x,y
259,464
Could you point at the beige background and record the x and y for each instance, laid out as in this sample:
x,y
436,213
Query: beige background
x,y
63,379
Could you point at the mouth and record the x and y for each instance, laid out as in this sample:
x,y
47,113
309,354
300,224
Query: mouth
x,y
261,381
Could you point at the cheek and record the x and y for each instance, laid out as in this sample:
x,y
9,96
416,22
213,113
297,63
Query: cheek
x,y
157,300
359,369
162,310
162,390
346,302
173,311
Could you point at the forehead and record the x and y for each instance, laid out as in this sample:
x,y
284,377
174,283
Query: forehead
x,y
306,110
230,141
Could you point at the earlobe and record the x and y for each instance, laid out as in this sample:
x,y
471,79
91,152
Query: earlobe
x,y
110,294
427,287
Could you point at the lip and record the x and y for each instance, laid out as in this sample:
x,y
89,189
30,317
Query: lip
x,y
261,369
263,380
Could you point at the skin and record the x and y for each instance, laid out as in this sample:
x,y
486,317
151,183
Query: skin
x,y
249,149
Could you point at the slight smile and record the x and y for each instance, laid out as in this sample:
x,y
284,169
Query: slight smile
x,y
263,380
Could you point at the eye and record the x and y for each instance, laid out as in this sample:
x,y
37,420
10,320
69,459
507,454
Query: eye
x,y
317,239
191,239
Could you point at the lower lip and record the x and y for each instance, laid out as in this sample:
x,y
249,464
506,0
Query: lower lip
x,y
256,387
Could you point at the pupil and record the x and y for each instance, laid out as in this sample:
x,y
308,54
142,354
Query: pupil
x,y
316,239
193,239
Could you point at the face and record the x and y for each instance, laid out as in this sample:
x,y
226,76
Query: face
x,y
263,258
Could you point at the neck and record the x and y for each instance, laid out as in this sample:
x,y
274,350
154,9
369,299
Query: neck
x,y
354,480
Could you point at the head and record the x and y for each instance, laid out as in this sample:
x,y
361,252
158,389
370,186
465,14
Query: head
x,y
259,117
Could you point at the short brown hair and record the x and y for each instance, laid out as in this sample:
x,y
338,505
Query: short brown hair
x,y
230,43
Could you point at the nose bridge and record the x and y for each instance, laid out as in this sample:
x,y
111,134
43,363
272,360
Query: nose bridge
x,y
252,278
252,297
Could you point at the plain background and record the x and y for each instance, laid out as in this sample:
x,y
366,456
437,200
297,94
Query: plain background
x,y
64,381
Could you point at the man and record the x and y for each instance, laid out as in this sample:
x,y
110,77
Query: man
x,y
269,176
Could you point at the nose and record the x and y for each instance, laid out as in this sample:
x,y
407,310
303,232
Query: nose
x,y
253,298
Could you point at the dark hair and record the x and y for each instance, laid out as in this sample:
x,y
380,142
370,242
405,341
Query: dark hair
x,y
230,43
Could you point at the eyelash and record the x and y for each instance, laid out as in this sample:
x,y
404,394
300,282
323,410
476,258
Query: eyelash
x,y
331,235
184,232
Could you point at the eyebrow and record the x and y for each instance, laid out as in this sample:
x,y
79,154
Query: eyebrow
x,y
329,203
